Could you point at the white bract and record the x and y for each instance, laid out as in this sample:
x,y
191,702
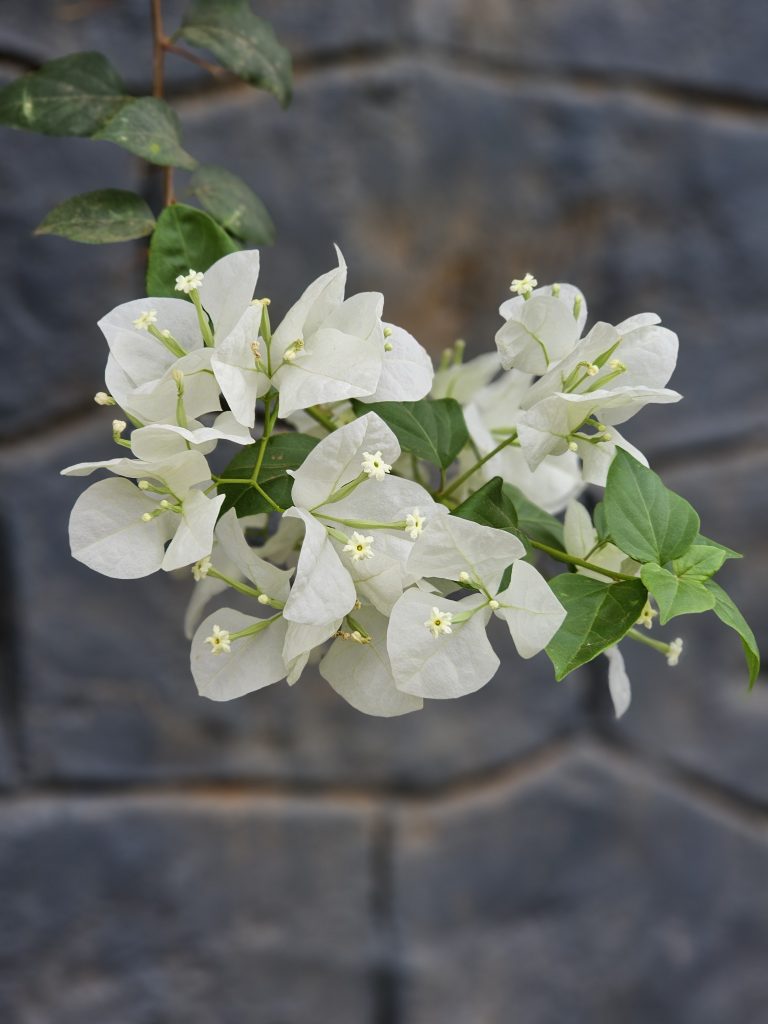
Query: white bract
x,y
361,557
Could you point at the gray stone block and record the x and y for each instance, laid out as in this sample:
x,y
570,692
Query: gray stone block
x,y
441,187
185,910
701,715
108,695
716,46
53,291
587,893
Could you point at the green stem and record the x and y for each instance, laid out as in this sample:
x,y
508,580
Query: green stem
x,y
563,556
473,469
202,319
362,524
321,417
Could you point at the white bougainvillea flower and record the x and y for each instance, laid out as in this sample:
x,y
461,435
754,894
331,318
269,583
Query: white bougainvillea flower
x,y
570,296
327,348
120,529
550,427
162,441
362,674
144,351
637,353
491,417
406,370
478,556
618,681
461,381
523,285
537,335
333,490
252,661
447,665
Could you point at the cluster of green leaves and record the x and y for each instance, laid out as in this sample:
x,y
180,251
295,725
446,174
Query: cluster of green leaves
x,y
83,95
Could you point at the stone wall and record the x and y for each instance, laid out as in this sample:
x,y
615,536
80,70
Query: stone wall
x,y
516,855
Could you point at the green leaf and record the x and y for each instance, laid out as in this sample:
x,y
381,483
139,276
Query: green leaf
x,y
233,204
727,612
700,562
645,519
433,429
598,616
283,452
598,519
729,552
109,215
150,129
490,506
74,95
185,239
244,44
533,521
675,595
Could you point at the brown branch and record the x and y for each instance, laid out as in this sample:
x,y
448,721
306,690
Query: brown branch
x,y
158,83
201,62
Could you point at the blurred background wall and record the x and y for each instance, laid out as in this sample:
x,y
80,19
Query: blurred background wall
x,y
515,856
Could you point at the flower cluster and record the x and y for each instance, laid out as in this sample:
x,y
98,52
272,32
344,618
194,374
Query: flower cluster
x,y
377,514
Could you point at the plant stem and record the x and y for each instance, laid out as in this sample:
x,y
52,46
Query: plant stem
x,y
563,556
473,469
158,83
657,645
181,51
321,417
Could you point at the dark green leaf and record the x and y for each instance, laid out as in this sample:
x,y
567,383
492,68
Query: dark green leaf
x,y
74,95
244,44
233,204
184,239
598,519
675,595
284,451
109,215
728,613
598,616
433,429
645,519
533,521
490,506
150,129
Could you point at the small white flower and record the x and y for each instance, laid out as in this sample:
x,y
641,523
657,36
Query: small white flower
x,y
219,641
118,426
616,364
200,569
414,524
263,599
647,615
493,604
143,320
375,466
674,652
360,547
592,370
439,622
102,398
255,347
189,282
523,285
464,576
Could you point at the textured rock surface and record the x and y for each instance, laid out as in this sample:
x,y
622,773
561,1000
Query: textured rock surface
x,y
572,896
184,909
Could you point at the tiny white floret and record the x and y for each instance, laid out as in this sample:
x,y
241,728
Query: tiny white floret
x,y
102,398
647,615
360,547
523,285
439,623
263,599
219,640
414,524
145,319
201,569
118,426
189,282
493,604
375,466
674,652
